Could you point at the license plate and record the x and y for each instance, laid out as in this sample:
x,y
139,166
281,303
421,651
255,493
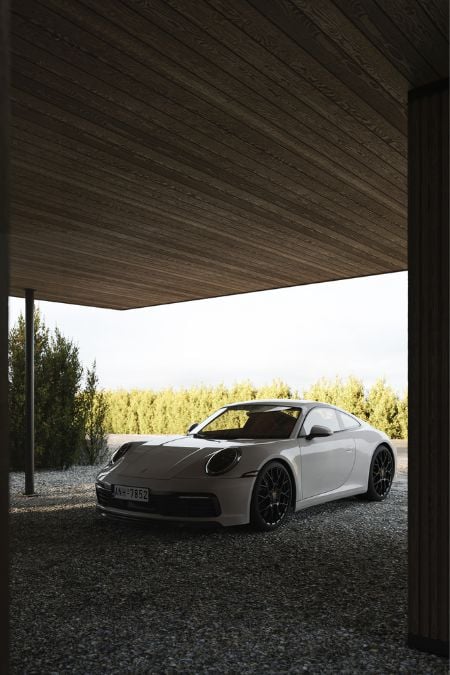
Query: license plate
x,y
133,494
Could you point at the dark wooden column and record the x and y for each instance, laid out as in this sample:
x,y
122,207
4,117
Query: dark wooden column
x,y
29,391
4,286
429,369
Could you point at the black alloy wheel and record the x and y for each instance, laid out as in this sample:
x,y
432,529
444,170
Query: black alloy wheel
x,y
272,497
382,471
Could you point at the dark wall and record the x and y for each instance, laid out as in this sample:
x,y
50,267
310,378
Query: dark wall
x,y
4,460
429,369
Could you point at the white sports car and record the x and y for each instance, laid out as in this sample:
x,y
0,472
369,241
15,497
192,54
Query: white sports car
x,y
252,462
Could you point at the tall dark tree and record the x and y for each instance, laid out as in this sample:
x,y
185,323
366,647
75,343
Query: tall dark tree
x,y
58,412
95,410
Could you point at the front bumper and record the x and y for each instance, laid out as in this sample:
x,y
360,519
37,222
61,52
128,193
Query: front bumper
x,y
225,501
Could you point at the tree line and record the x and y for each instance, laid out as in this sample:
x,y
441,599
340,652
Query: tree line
x,y
172,411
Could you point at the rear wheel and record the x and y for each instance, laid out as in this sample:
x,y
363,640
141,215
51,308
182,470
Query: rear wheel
x,y
381,474
272,497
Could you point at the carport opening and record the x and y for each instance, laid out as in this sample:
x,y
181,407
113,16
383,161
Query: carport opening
x,y
312,553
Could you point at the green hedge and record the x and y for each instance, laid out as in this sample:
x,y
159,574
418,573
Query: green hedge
x,y
171,411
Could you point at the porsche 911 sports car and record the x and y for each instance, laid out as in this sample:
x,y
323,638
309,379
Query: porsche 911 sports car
x,y
253,462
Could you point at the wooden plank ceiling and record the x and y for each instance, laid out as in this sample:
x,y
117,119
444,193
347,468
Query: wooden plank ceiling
x,y
165,150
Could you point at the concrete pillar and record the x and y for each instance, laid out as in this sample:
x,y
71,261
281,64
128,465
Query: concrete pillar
x,y
429,381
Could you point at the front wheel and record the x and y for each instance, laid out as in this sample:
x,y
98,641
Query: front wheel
x,y
272,497
381,474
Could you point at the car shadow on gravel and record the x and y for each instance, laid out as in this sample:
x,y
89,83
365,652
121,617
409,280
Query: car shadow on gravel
x,y
324,594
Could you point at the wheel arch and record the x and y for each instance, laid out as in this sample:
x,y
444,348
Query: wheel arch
x,y
388,446
287,466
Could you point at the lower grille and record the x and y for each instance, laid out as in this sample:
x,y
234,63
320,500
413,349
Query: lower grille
x,y
103,496
176,505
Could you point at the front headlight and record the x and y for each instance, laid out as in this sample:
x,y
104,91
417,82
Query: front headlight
x,y
119,453
222,461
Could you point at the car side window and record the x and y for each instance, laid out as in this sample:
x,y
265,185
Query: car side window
x,y
348,422
325,417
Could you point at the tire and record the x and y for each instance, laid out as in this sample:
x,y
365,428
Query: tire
x,y
381,474
271,503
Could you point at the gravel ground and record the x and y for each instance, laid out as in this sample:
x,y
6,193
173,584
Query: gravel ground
x,y
324,594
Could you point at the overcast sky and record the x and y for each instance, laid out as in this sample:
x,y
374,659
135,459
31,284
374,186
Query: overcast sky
x,y
357,327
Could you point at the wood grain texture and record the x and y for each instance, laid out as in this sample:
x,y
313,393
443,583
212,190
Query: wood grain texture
x,y
209,148
429,377
395,37
438,12
412,19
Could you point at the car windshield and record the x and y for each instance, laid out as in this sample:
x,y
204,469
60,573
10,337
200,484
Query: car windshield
x,y
257,421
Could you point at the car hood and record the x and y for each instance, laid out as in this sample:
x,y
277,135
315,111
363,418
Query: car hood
x,y
167,457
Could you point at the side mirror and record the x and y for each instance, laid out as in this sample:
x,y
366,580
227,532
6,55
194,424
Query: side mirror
x,y
192,427
318,431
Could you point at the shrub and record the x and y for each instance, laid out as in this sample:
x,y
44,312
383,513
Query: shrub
x,y
403,415
383,409
94,407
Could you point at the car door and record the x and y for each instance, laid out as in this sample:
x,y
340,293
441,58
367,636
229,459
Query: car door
x,y
327,462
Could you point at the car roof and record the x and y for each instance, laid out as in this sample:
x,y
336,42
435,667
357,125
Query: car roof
x,y
292,403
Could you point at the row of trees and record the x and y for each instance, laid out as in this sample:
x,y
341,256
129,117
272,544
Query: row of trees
x,y
172,411
70,411
380,405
